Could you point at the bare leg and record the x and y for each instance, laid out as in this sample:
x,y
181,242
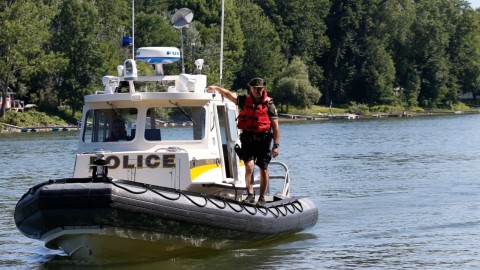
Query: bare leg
x,y
248,175
263,181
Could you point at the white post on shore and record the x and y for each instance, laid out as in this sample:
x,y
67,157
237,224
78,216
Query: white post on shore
x,y
221,41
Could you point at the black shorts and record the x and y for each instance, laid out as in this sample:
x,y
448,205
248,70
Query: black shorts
x,y
258,150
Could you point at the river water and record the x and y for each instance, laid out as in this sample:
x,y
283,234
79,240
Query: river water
x,y
399,193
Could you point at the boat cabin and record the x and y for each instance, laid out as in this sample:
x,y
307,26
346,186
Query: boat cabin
x,y
161,130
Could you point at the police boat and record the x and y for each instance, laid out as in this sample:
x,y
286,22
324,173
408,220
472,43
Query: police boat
x,y
166,180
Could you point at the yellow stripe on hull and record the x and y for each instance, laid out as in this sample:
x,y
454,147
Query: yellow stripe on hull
x,y
197,171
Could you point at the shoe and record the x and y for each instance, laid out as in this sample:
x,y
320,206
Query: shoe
x,y
250,199
261,201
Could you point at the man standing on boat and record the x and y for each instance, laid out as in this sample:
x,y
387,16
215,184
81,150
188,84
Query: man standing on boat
x,y
258,121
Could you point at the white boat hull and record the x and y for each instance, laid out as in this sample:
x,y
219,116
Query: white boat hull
x,y
115,244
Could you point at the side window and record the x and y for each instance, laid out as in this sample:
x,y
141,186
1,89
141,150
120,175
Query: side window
x,y
228,123
110,125
175,123
232,124
221,122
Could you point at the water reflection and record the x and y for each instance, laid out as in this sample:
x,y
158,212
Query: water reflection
x,y
271,252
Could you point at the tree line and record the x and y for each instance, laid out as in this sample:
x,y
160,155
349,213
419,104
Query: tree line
x,y
391,52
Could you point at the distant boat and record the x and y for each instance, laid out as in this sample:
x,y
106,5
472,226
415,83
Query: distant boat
x,y
344,116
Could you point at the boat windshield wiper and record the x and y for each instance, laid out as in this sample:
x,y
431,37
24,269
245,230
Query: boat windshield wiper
x,y
184,112
115,109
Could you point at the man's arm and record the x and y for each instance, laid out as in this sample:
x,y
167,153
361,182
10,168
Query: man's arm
x,y
272,112
276,131
224,92
276,137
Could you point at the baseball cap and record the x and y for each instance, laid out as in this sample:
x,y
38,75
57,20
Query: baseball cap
x,y
257,82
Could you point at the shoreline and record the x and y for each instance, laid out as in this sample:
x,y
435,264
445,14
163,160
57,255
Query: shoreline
x,y
7,128
350,116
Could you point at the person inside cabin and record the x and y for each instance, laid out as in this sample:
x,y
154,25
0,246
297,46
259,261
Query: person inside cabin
x,y
118,132
258,120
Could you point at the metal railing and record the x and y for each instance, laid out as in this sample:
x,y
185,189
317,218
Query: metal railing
x,y
275,166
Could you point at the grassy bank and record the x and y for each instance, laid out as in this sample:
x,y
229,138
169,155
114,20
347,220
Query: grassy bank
x,y
365,110
37,118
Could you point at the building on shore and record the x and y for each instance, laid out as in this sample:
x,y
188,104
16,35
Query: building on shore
x,y
11,103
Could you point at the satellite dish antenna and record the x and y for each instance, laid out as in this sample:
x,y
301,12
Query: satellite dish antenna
x,y
182,18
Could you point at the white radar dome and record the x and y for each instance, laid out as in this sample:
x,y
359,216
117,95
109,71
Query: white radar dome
x,y
158,55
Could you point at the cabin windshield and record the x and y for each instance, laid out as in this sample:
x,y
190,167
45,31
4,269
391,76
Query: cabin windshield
x,y
110,125
167,123
175,123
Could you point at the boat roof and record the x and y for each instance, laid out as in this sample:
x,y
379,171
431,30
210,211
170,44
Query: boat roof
x,y
149,96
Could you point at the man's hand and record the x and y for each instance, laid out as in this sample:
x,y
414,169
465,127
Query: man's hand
x,y
275,152
211,88
224,92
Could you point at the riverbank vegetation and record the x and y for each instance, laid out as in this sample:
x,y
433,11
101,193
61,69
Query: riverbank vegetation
x,y
368,111
358,56
39,118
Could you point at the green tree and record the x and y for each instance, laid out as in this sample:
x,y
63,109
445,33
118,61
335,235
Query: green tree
x,y
359,64
464,50
305,27
40,86
366,51
23,34
155,30
432,29
207,16
114,22
77,37
293,87
341,60
152,6
261,59
407,77
301,28
373,83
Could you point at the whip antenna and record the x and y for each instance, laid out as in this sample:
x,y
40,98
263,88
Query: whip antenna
x,y
221,41
133,29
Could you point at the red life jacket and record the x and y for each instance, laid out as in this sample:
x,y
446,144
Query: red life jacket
x,y
254,117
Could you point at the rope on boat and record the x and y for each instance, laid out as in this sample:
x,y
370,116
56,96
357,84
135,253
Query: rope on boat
x,y
297,202
210,199
278,208
275,215
264,213
129,190
164,196
291,211
248,211
214,203
194,202
233,208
